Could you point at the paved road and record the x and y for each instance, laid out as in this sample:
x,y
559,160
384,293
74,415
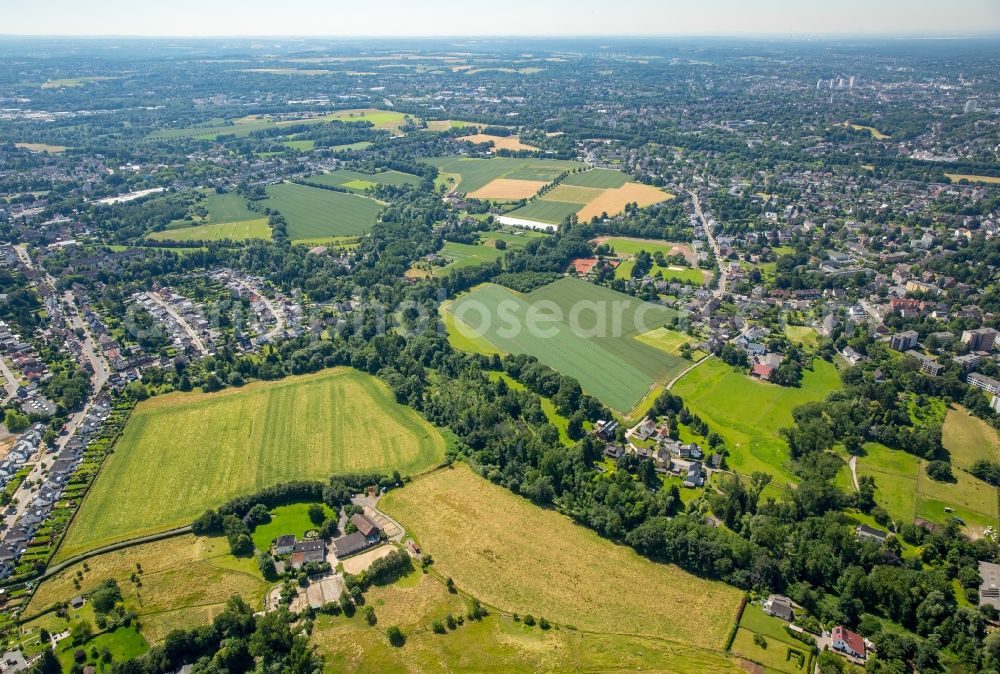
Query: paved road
x,y
279,314
10,381
723,274
102,371
181,321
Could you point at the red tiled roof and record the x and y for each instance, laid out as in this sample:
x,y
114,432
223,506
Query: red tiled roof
x,y
852,639
584,265
762,370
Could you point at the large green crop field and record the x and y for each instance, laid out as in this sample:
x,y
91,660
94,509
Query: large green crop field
x,y
244,126
748,413
228,207
358,182
543,210
601,353
473,174
314,213
600,178
184,452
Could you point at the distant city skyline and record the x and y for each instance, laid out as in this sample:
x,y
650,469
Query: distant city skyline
x,y
441,18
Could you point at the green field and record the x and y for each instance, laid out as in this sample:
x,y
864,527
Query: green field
x,y
905,491
601,355
314,213
748,413
358,182
244,126
228,207
969,439
184,452
472,174
666,340
600,178
552,212
235,231
629,246
480,534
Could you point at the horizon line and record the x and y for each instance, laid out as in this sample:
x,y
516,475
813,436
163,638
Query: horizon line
x,y
913,35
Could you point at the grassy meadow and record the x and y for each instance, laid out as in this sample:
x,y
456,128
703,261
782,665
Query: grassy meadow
x,y
969,439
499,548
359,182
603,357
186,581
184,452
241,230
313,213
244,126
748,413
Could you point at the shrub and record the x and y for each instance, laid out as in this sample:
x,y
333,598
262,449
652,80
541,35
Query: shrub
x,y
438,627
529,620
396,636
370,615
543,623
760,640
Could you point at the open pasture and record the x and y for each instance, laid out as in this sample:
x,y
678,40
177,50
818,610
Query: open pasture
x,y
472,174
186,581
244,126
582,330
42,147
748,413
314,213
480,535
184,452
359,182
512,143
234,231
968,438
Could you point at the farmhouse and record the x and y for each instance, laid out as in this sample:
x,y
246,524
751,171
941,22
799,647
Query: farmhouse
x,y
762,371
367,528
284,545
307,552
846,641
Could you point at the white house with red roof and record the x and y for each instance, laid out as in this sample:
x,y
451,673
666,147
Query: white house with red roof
x,y
846,641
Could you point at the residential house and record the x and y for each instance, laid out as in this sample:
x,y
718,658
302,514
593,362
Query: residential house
x,y
989,589
852,356
846,641
284,545
306,552
867,533
779,606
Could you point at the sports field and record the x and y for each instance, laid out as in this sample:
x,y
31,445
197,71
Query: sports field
x,y
314,213
748,413
234,231
499,142
500,548
186,581
591,338
184,452
358,182
905,491
472,174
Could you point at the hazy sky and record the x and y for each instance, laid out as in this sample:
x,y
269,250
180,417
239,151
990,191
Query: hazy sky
x,y
498,17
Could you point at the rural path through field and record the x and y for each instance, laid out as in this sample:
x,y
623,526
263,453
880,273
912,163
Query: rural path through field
x,y
120,545
853,463
676,379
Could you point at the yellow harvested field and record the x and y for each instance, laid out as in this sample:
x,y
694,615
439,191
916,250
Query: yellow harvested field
x,y
520,558
41,147
955,177
613,201
499,142
572,194
508,188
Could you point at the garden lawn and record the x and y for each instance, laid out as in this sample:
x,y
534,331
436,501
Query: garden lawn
x,y
485,538
748,413
184,452
314,213
290,519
